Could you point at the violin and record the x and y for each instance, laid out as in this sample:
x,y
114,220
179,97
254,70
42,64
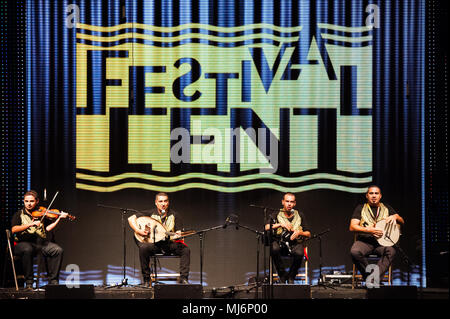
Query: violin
x,y
51,213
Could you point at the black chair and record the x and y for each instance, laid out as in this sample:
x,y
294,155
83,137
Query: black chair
x,y
16,259
372,259
154,272
300,275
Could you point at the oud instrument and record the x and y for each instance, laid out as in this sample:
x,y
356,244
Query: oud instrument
x,y
156,231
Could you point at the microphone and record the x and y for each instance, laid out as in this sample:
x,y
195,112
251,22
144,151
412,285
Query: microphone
x,y
290,211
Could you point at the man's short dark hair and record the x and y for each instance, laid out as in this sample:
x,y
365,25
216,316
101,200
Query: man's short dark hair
x,y
32,193
288,193
161,194
373,186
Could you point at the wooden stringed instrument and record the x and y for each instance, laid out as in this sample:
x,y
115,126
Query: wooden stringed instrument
x,y
156,231
50,213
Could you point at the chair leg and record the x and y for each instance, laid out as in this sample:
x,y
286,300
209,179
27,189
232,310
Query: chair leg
x,y
353,277
306,273
305,250
390,275
155,265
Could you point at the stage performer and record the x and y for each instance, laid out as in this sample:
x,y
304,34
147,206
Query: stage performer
x,y
172,222
363,221
33,236
289,230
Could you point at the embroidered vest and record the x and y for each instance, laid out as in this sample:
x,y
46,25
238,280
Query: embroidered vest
x,y
368,218
26,219
169,223
296,222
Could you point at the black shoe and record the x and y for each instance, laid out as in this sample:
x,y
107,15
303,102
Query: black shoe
x,y
53,282
147,283
183,281
291,281
283,279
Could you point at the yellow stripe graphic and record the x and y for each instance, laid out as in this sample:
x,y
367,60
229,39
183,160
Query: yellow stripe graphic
x,y
346,39
223,179
183,37
187,26
221,188
343,28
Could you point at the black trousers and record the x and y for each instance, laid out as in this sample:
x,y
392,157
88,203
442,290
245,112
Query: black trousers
x,y
297,253
361,249
147,250
52,253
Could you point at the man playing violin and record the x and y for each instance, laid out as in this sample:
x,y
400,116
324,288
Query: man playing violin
x,y
290,228
33,235
363,221
172,223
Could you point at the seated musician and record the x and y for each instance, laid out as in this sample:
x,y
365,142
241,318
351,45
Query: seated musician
x,y
32,236
171,222
363,221
288,224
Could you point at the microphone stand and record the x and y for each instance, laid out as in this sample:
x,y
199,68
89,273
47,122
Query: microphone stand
x,y
265,209
40,256
270,257
405,257
124,211
201,234
320,281
258,239
155,265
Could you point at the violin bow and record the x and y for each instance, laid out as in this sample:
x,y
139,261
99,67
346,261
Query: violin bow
x,y
54,197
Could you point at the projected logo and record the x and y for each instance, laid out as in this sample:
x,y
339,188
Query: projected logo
x,y
225,109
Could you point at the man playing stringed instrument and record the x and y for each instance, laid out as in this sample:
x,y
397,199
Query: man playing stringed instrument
x,y
149,242
290,229
33,235
363,222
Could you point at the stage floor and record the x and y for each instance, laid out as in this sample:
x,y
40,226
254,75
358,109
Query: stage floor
x,y
242,292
